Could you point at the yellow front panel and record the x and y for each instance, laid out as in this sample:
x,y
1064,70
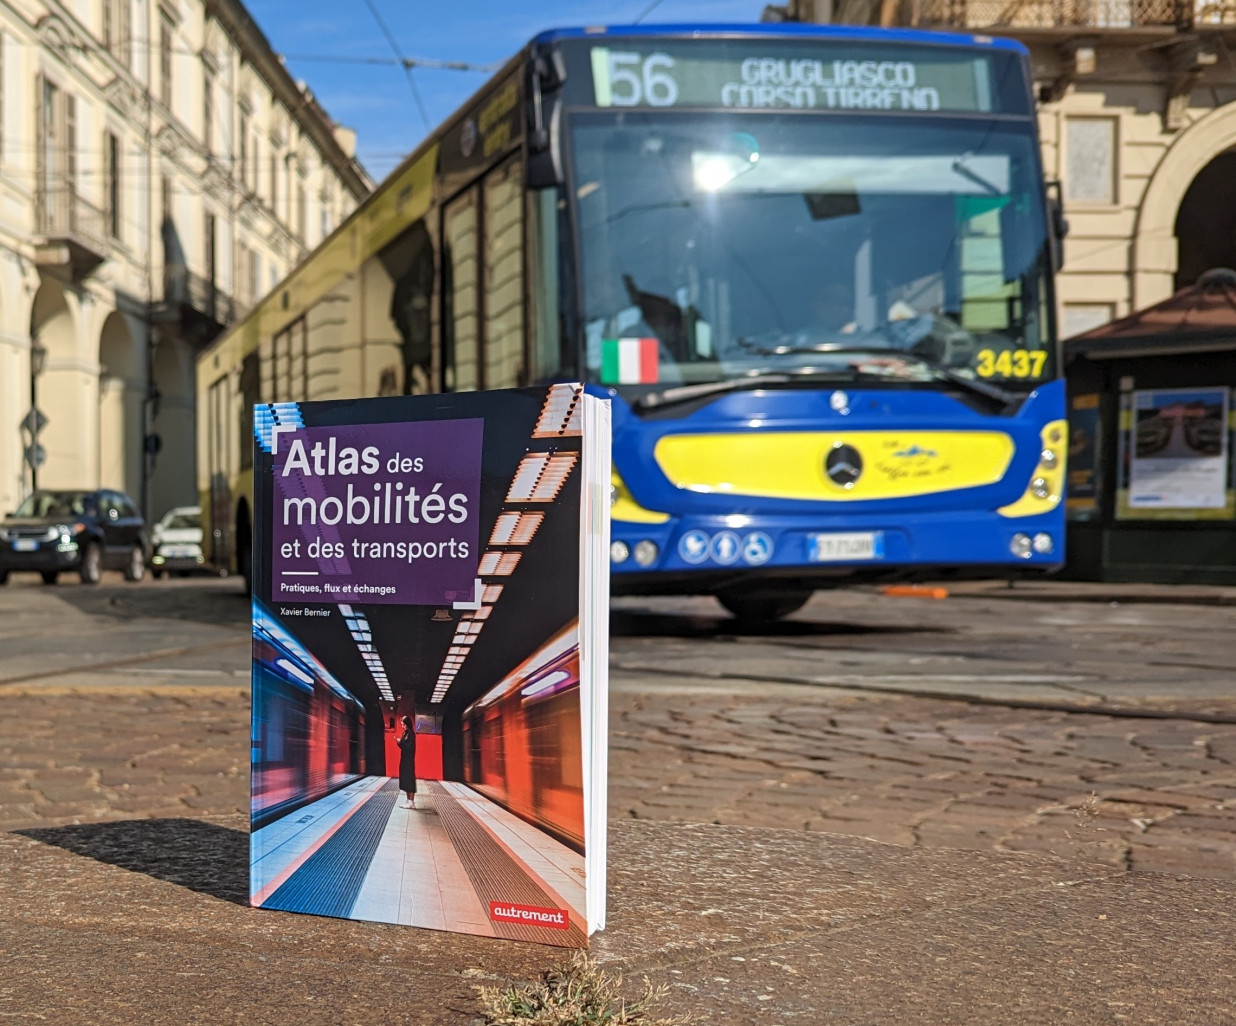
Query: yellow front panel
x,y
790,465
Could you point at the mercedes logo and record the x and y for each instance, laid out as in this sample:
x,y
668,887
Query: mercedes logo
x,y
843,465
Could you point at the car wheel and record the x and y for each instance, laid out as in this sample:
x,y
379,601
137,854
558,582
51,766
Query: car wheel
x,y
156,574
135,568
764,607
91,570
4,577
49,576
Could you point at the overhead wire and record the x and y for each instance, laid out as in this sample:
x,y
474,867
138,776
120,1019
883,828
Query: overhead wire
x,y
647,11
407,68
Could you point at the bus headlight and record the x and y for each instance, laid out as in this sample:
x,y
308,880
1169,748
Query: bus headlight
x,y
1045,490
1043,544
1021,546
618,552
646,552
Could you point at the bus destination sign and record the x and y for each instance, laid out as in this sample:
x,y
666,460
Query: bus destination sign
x,y
911,81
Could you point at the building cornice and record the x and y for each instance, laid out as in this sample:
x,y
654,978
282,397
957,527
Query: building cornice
x,y
256,51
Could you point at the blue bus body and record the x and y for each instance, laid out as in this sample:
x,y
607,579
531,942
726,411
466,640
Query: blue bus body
x,y
730,492
934,531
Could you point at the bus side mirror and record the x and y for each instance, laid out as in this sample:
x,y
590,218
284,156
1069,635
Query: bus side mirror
x,y
546,74
1058,225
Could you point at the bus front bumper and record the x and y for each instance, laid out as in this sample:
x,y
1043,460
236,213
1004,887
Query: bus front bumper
x,y
696,553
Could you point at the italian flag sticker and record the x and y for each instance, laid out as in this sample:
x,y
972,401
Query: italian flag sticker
x,y
629,361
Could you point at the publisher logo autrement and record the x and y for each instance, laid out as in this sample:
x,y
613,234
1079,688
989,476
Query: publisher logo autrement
x,y
530,915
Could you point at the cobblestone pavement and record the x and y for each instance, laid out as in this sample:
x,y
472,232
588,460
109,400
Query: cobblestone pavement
x,y
1145,794
118,703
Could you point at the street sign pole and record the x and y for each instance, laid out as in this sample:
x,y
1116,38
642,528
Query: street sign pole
x,y
35,455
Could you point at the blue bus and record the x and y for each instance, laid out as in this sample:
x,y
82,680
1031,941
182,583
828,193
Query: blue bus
x,y
811,267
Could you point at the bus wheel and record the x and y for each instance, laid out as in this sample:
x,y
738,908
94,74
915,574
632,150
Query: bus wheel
x,y
764,606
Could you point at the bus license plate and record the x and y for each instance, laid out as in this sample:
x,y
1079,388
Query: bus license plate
x,y
842,548
25,544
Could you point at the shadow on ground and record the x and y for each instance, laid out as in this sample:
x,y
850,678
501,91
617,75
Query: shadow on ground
x,y
201,856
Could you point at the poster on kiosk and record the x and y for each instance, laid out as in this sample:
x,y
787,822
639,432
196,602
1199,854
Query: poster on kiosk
x,y
430,596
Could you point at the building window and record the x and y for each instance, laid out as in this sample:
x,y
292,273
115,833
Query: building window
x,y
243,155
1090,155
208,108
274,177
1,96
70,141
208,236
255,275
57,156
165,59
248,274
1081,317
165,205
111,157
302,213
116,29
328,213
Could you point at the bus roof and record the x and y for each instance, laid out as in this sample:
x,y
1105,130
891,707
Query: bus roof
x,y
788,30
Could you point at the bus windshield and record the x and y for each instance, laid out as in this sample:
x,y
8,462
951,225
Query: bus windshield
x,y
720,246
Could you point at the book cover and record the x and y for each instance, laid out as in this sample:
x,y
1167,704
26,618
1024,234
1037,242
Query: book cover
x,y
430,593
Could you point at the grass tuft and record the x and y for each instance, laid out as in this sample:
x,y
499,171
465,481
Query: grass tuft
x,y
577,993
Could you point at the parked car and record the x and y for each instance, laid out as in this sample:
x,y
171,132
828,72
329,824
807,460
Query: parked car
x,y
177,542
52,532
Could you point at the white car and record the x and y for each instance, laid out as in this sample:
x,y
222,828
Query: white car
x,y
177,542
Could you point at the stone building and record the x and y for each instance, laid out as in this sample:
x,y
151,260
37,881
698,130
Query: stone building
x,y
159,172
1138,123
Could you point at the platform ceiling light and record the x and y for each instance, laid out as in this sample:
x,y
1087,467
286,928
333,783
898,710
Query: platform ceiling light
x,y
515,528
540,476
498,564
491,593
561,415
358,626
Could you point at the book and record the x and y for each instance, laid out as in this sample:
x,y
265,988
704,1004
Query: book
x,y
430,661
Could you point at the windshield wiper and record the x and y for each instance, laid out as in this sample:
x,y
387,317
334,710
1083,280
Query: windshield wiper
x,y
685,393
983,388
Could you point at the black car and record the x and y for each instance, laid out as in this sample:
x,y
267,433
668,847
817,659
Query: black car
x,y
87,532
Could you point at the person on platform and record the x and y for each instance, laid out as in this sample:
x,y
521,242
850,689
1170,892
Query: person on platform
x,y
407,761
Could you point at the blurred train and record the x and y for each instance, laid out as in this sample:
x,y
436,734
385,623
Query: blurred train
x,y
522,743
308,731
